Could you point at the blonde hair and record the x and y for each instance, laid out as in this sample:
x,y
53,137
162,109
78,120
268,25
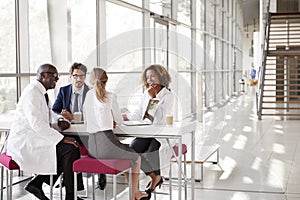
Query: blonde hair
x,y
98,79
163,75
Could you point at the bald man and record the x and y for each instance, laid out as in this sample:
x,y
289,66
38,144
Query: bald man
x,y
34,145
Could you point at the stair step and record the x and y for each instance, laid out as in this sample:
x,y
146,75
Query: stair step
x,y
292,40
274,58
281,79
288,43
283,53
293,90
281,114
280,74
287,69
280,108
282,34
282,102
281,30
281,96
279,84
285,24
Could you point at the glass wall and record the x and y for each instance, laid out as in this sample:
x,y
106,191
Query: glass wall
x,y
124,37
39,34
8,84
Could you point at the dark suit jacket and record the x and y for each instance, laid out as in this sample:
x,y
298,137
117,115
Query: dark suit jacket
x,y
63,99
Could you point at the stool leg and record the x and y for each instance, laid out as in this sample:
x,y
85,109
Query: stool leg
x,y
170,180
130,184
10,183
87,185
2,176
75,185
185,177
93,185
51,187
60,185
201,172
115,186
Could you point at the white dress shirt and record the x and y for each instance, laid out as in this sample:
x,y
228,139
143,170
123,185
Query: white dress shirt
x,y
99,116
32,142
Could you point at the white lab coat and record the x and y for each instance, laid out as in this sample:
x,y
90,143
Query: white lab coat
x,y
32,142
165,106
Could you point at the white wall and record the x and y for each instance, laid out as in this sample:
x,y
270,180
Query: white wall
x,y
248,60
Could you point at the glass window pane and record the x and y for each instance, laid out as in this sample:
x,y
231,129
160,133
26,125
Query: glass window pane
x,y
8,97
184,94
83,27
128,87
39,38
7,37
161,7
184,48
184,11
124,43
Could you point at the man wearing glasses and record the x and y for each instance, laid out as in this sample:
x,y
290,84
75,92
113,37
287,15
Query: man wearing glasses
x,y
70,99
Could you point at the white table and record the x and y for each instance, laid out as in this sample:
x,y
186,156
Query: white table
x,y
176,131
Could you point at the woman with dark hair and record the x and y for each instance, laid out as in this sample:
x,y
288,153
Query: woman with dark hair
x,y
101,114
156,80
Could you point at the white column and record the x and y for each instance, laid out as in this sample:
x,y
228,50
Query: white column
x,y
58,20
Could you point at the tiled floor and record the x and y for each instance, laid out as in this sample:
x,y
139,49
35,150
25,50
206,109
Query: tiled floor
x,y
260,159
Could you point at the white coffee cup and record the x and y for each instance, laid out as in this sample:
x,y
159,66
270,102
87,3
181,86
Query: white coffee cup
x,y
77,117
169,120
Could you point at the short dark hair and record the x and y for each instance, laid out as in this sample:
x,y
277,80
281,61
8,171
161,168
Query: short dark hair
x,y
80,66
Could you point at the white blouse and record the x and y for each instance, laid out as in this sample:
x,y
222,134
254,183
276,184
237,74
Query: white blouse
x,y
99,116
165,106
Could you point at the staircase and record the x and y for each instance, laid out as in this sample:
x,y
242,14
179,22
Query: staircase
x,y
279,87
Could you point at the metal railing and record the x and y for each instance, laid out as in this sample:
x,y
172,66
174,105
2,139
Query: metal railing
x,y
264,50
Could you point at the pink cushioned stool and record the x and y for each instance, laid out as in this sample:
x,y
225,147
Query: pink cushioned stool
x,y
102,166
10,165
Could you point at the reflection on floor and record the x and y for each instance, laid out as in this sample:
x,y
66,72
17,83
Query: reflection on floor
x,y
259,158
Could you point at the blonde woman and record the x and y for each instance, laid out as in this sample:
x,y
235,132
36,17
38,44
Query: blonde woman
x,y
101,113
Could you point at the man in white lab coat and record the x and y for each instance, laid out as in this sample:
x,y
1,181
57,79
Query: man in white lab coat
x,y
34,145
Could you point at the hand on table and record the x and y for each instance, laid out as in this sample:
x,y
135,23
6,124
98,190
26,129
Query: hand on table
x,y
66,114
63,124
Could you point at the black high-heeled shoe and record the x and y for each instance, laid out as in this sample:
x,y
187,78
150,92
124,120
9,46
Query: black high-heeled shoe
x,y
146,198
158,184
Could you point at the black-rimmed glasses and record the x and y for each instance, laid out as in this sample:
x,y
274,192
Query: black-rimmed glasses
x,y
81,76
54,74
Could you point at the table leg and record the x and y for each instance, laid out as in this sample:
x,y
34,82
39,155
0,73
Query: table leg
x,y
193,166
179,167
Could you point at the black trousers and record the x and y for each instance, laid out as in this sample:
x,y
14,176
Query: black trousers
x,y
148,148
66,154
